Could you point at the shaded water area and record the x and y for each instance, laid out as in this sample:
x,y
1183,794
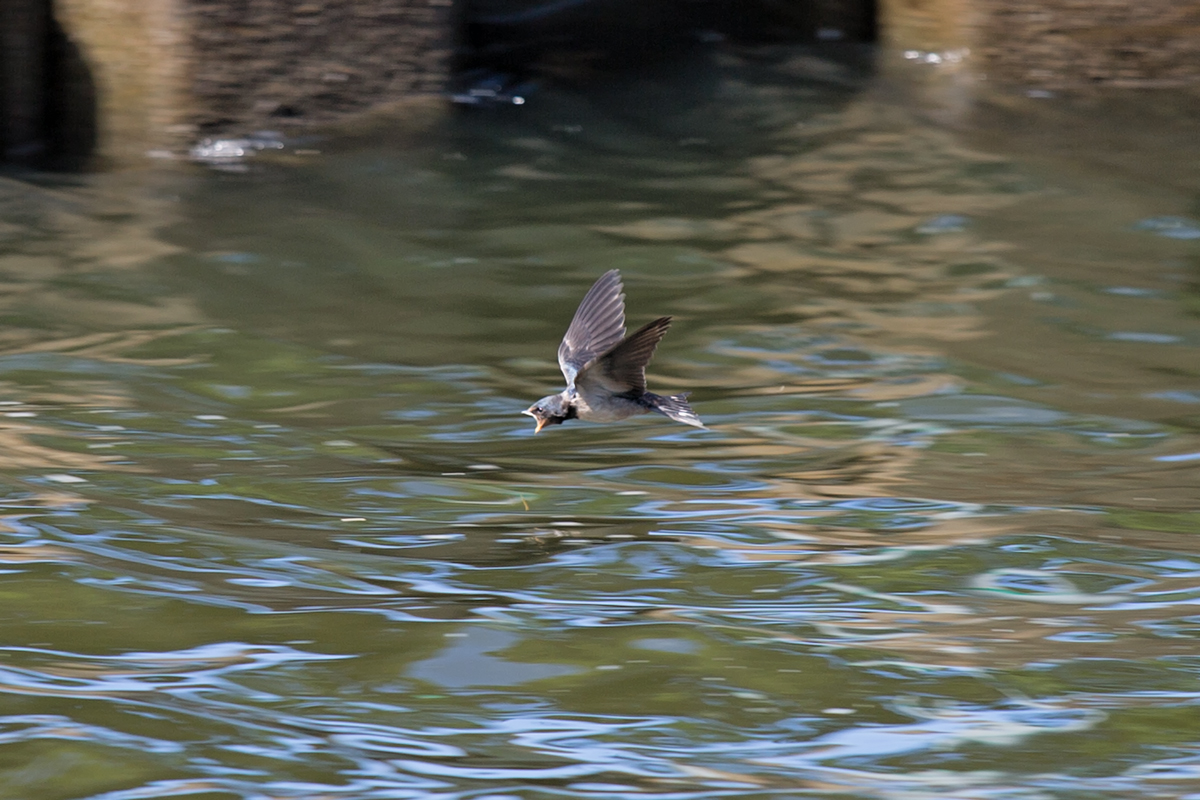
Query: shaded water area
x,y
275,528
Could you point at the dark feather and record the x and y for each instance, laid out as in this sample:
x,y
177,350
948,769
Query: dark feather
x,y
598,326
623,369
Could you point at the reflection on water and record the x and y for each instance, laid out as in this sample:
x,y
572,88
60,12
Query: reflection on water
x,y
274,525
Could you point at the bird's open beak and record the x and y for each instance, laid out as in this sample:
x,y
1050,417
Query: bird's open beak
x,y
541,423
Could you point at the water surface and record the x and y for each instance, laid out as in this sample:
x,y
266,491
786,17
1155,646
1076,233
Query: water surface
x,y
276,527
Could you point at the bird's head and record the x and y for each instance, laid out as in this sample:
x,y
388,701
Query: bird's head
x,y
551,410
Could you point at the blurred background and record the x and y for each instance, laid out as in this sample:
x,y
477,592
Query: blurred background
x,y
277,279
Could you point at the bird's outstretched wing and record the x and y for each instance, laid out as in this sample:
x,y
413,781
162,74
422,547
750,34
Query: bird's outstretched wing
x,y
597,328
622,370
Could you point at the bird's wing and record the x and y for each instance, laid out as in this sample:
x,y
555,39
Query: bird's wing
x,y
622,370
598,326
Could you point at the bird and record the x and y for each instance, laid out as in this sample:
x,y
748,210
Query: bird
x,y
604,368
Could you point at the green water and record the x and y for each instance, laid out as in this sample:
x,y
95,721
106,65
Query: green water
x,y
275,527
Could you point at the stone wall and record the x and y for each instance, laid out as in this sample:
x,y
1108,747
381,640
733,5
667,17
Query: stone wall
x,y
1063,44
269,64
1056,44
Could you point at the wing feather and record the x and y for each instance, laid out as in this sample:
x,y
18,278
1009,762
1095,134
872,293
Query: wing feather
x,y
597,327
623,369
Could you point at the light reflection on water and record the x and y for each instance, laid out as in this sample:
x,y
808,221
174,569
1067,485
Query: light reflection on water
x,y
273,525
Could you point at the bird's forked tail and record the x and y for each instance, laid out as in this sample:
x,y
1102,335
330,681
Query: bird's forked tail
x,y
676,407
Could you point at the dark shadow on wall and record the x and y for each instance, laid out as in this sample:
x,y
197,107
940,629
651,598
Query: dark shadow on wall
x,y
47,93
70,116
524,35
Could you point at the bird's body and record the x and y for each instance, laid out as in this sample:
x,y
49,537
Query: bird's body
x,y
606,370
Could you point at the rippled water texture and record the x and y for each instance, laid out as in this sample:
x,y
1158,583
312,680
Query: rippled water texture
x,y
275,527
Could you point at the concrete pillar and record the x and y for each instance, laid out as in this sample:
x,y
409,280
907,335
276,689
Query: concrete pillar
x,y
930,26
137,54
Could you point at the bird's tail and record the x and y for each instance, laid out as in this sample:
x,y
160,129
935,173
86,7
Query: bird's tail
x,y
676,407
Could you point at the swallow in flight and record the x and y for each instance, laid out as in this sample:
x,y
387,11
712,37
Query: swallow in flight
x,y
605,369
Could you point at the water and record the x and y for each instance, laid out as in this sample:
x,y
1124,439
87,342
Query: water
x,y
276,528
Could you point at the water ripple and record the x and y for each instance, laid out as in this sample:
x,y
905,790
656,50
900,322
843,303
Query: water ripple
x,y
271,524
